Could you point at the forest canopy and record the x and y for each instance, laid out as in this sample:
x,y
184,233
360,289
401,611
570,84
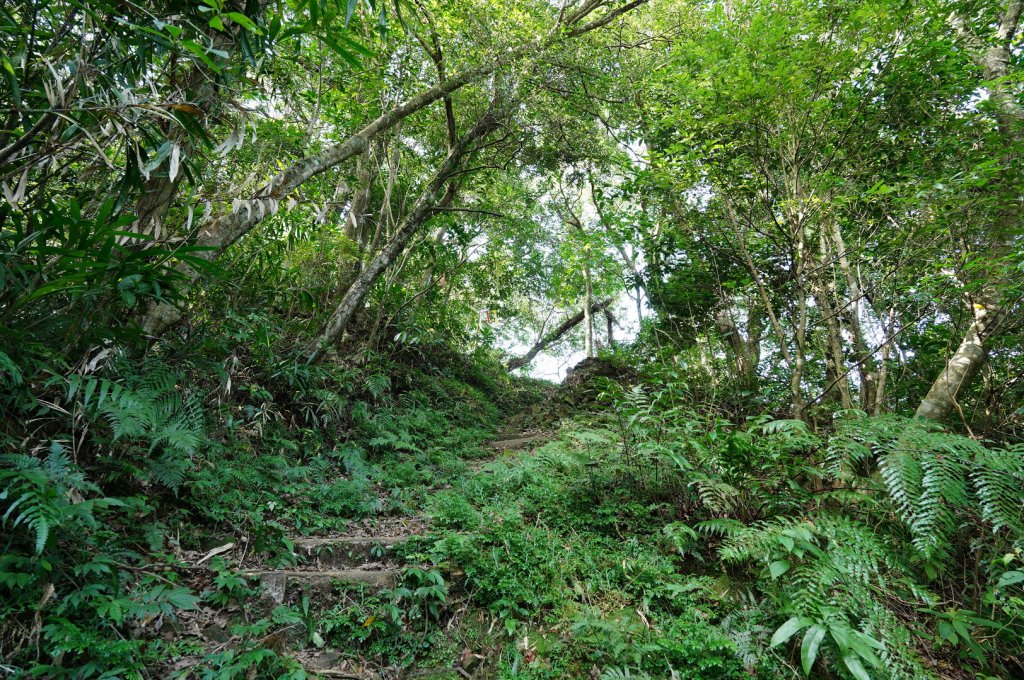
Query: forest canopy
x,y
274,275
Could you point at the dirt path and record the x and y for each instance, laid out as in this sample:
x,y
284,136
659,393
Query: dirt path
x,y
364,554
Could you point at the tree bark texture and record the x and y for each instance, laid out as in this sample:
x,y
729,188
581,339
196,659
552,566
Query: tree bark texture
x,y
961,368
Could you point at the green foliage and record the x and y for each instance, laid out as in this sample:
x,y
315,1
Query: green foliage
x,y
250,660
513,570
803,193
828,552
229,586
937,482
682,644
68,278
395,625
42,495
160,428
63,545
835,576
451,510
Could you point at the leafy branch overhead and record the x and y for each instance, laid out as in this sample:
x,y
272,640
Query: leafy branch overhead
x,y
539,339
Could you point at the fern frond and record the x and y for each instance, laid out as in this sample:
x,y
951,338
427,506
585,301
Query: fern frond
x,y
784,425
38,493
998,482
720,527
146,410
377,385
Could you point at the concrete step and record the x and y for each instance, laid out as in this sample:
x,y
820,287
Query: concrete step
x,y
276,584
348,551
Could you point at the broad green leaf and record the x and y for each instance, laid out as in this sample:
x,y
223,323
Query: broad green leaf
x,y
778,568
1010,578
789,629
855,667
243,21
809,647
198,50
12,78
347,56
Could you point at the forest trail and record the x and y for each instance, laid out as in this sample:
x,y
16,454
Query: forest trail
x,y
284,287
367,556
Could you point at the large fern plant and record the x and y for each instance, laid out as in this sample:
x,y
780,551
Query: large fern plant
x,y
840,583
41,494
158,424
904,504
939,484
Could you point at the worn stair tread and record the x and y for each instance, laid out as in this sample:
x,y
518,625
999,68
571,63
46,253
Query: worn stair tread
x,y
347,552
276,584
516,443
332,664
320,575
349,541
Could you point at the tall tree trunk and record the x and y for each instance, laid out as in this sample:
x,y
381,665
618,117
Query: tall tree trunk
x,y
755,331
794,363
960,369
883,364
355,223
588,318
800,356
834,341
730,332
865,362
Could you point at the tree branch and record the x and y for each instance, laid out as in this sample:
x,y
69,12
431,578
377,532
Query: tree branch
x,y
556,334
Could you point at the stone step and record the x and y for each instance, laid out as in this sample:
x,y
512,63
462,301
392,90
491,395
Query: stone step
x,y
516,443
347,551
276,584
330,663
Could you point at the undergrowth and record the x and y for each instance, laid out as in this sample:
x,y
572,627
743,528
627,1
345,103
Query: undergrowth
x,y
651,537
654,541
128,463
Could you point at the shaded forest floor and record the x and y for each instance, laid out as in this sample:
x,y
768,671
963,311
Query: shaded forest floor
x,y
529,558
427,516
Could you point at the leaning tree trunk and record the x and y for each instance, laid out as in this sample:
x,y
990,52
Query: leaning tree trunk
x,y
222,232
994,61
556,334
423,209
961,368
